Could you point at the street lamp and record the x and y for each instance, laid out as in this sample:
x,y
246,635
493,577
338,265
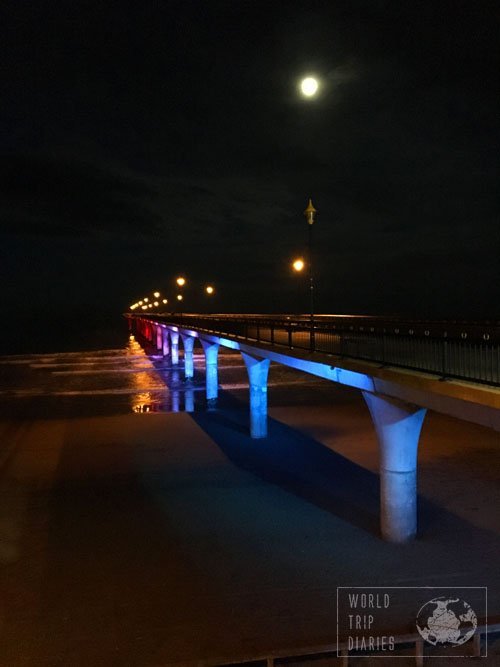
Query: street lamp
x,y
181,281
310,214
298,265
209,289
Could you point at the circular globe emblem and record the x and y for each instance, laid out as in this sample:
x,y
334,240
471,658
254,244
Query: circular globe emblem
x,y
446,621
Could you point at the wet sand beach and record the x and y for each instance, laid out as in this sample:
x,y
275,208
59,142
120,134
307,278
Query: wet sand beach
x,y
134,532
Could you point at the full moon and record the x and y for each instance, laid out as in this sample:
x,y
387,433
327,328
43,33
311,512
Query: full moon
x,y
309,86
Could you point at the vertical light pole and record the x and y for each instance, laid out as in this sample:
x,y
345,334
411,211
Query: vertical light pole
x,y
180,281
310,214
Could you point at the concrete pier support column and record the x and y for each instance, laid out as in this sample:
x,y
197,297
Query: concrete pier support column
x,y
257,375
166,342
211,351
159,338
188,342
398,427
174,347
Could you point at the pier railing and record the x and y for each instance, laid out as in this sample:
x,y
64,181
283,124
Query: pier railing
x,y
461,350
411,641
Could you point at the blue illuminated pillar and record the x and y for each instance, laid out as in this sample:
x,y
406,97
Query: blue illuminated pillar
x,y
166,345
174,347
188,342
257,375
398,427
211,351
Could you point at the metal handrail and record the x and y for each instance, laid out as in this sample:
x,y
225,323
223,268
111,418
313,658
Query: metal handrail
x,y
341,649
461,350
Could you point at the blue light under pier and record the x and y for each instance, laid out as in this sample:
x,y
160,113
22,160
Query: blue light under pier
x,y
166,342
211,351
397,400
188,342
174,346
398,426
258,370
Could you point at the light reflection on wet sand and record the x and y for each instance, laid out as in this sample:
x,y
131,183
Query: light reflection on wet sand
x,y
122,380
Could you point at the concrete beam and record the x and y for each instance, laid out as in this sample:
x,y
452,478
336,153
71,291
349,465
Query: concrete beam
x,y
479,404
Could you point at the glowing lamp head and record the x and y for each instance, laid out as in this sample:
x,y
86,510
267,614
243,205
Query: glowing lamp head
x,y
209,289
309,86
144,307
156,294
146,299
150,305
165,301
156,304
140,303
298,265
181,281
179,297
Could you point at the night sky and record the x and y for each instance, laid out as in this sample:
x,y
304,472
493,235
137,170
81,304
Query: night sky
x,y
144,139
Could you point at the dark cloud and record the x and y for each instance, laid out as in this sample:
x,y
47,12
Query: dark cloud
x,y
52,196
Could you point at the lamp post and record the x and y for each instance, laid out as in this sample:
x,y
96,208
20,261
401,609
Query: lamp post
x,y
310,214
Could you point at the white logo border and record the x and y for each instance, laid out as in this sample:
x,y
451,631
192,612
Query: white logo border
x,y
430,588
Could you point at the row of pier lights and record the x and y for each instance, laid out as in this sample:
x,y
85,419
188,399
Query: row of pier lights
x,y
298,265
157,301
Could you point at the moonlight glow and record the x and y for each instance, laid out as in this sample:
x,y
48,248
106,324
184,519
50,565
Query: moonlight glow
x,y
309,86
